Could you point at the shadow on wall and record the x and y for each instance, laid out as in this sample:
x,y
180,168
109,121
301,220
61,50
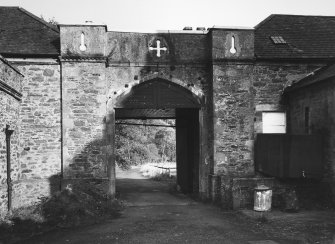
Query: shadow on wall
x,y
81,203
90,164
82,199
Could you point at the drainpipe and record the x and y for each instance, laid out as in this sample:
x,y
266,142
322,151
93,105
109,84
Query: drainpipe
x,y
9,180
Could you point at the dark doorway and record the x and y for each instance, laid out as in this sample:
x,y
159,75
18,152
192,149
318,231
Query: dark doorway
x,y
162,99
187,149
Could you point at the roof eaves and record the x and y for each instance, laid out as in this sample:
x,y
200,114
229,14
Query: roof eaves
x,y
298,85
294,58
10,7
10,65
30,55
309,79
54,28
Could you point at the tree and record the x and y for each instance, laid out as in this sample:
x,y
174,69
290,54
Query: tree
x,y
137,144
51,21
165,142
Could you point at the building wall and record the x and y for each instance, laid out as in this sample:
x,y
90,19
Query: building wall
x,y
94,83
320,99
233,113
242,91
60,125
9,115
84,119
269,82
236,89
40,138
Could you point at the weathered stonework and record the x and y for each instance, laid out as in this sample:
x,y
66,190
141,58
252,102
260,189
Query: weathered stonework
x,y
235,88
40,138
85,147
9,116
84,115
64,126
232,44
237,193
233,101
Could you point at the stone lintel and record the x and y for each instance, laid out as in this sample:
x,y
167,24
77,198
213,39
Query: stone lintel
x,y
269,107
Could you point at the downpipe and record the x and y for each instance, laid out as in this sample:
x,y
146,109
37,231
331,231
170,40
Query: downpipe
x,y
8,133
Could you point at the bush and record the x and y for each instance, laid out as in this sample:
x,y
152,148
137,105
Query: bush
x,y
84,203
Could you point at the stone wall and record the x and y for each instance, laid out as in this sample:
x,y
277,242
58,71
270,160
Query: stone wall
x,y
269,82
233,113
220,66
86,88
133,48
241,93
84,117
40,138
10,87
61,126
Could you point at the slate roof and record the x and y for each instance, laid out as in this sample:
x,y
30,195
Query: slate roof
x,y
23,34
306,37
320,75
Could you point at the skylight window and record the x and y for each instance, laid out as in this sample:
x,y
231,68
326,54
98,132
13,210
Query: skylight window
x,y
278,40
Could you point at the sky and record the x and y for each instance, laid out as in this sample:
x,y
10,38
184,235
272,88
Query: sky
x,y
154,15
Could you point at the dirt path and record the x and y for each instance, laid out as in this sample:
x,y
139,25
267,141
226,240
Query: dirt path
x,y
153,215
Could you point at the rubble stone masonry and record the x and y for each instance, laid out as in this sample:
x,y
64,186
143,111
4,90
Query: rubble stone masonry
x,y
84,111
40,138
61,127
10,87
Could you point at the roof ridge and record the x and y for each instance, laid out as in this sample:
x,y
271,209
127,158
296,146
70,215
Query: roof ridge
x,y
305,15
9,6
292,15
264,21
38,19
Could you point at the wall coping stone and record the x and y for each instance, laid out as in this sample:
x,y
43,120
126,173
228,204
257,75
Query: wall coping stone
x,y
84,59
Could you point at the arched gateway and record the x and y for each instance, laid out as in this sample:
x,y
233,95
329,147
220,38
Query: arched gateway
x,y
224,87
162,99
164,75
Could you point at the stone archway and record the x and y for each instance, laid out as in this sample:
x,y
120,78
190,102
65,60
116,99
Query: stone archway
x,y
160,98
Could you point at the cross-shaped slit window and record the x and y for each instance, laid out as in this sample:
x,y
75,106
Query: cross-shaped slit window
x,y
158,48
